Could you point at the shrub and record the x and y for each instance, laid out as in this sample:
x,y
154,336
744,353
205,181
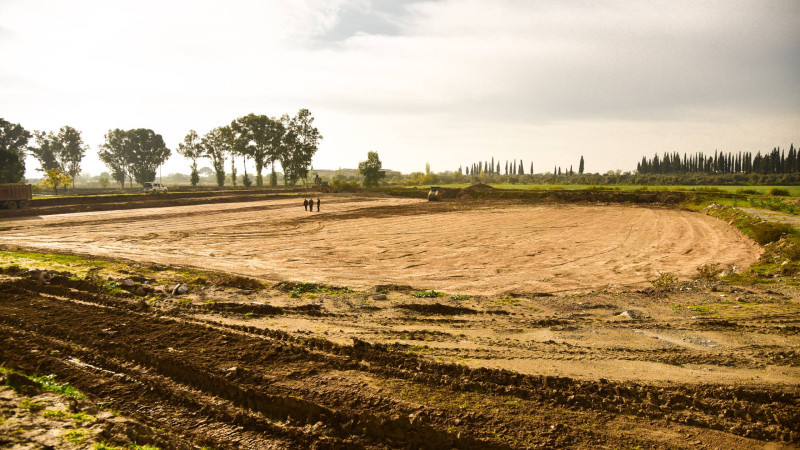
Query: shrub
x,y
764,232
709,271
778,192
665,281
747,191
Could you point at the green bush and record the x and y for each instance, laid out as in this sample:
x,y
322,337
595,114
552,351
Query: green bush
x,y
778,192
764,232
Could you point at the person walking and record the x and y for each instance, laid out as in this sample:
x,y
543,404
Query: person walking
x,y
317,205
311,205
305,204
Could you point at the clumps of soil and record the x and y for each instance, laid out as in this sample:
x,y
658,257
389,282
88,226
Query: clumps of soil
x,y
298,288
475,190
437,308
33,417
386,288
236,281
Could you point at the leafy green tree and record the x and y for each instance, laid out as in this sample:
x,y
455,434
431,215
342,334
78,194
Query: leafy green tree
x,y
298,146
13,141
45,151
192,148
71,151
13,137
114,153
371,169
134,153
55,177
231,147
148,152
261,136
215,148
12,167
63,151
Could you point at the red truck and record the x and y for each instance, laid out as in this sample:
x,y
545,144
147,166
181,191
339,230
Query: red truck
x,y
13,196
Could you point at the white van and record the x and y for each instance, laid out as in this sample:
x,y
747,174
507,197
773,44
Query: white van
x,y
155,188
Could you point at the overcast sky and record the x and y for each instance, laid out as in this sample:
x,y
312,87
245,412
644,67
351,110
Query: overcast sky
x,y
445,82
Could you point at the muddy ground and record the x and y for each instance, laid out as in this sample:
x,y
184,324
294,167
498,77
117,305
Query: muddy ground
x,y
236,363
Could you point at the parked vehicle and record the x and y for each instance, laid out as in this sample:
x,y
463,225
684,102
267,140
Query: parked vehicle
x,y
155,188
13,196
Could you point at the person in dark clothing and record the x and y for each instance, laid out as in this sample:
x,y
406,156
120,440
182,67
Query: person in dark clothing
x,y
311,205
305,204
317,205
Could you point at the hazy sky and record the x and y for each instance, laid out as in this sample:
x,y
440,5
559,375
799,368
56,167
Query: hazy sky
x,y
445,82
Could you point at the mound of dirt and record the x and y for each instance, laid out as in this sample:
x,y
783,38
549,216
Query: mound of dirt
x,y
474,190
436,308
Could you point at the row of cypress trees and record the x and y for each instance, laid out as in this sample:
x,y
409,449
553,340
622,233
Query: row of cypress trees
x,y
775,162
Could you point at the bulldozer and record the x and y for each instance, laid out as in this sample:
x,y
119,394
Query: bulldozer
x,y
435,194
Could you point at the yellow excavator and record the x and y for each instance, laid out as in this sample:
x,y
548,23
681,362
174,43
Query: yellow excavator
x,y
435,194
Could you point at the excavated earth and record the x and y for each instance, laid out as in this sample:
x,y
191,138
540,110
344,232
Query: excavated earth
x,y
459,246
234,363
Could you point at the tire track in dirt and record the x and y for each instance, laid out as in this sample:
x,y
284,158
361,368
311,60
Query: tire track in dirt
x,y
269,374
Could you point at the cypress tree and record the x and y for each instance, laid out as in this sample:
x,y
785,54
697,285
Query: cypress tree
x,y
580,166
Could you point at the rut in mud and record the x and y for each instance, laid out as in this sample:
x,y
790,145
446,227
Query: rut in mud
x,y
205,382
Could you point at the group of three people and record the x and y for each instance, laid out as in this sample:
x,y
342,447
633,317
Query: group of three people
x,y
308,204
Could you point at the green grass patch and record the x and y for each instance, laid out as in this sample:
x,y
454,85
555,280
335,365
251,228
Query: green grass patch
x,y
31,405
460,297
427,294
77,436
55,414
45,383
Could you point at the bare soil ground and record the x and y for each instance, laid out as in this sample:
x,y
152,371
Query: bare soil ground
x,y
465,247
234,364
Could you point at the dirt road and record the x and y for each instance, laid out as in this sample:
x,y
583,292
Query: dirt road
x,y
360,242
471,248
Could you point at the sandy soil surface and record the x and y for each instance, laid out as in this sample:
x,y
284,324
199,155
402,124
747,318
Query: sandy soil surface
x,y
774,216
459,247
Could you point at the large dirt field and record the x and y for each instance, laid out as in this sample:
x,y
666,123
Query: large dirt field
x,y
360,242
551,332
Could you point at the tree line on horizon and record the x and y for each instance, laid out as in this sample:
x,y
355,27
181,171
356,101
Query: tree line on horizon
x,y
775,162
512,168
136,154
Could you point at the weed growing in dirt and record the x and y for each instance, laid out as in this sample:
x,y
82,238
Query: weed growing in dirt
x,y
105,446
460,297
112,288
666,281
54,414
427,294
709,272
31,405
77,436
296,290
46,382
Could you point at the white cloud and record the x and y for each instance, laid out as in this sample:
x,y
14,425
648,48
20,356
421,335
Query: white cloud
x,y
447,82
